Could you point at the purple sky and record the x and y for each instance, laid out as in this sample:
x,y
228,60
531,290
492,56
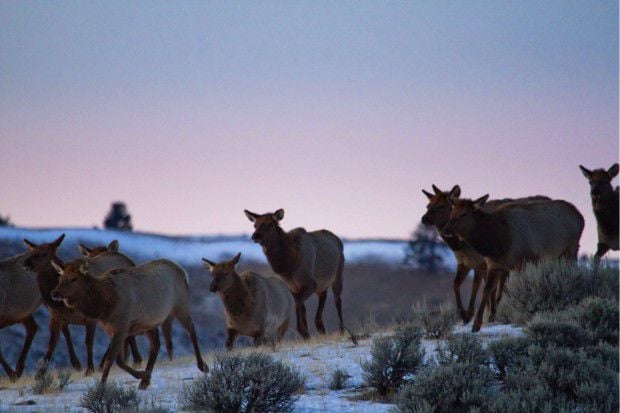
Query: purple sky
x,y
339,112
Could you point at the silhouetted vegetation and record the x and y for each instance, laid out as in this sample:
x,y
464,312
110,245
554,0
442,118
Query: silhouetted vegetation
x,y
424,250
118,218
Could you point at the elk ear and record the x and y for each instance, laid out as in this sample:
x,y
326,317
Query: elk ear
x,y
585,171
58,268
84,267
428,194
84,250
437,190
113,247
613,171
455,192
251,215
235,260
31,245
478,203
209,264
278,215
58,240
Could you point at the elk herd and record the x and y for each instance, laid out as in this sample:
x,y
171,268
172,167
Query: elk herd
x,y
103,286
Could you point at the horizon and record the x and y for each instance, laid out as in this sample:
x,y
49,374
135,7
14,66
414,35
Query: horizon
x,y
339,113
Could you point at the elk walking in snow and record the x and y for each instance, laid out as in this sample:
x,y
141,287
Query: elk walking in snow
x,y
255,305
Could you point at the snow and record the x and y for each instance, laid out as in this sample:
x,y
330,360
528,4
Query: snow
x,y
316,361
188,250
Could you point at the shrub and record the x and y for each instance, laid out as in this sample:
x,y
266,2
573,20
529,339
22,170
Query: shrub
x,y
560,378
393,359
599,316
554,286
109,398
605,354
453,387
244,383
458,379
561,333
461,348
46,382
508,353
437,323
339,379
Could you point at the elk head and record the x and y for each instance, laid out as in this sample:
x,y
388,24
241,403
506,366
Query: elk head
x,y
93,252
463,216
72,282
439,207
600,181
42,255
223,274
266,226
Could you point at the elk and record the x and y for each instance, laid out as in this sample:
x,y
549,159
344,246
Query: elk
x,y
19,299
514,234
40,261
129,301
104,258
605,206
308,262
255,306
437,215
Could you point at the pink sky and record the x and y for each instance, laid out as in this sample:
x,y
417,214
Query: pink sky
x,y
340,115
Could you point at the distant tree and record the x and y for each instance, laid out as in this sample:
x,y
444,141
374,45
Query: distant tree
x,y
5,221
118,218
424,249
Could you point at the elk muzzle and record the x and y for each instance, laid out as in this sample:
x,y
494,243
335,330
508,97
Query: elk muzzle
x,y
56,295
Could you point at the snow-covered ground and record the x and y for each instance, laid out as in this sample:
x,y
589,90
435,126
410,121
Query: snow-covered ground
x,y
188,250
316,360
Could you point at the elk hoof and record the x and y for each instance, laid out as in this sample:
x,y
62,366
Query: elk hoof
x,y
77,366
476,327
89,371
202,366
491,318
137,363
13,377
144,383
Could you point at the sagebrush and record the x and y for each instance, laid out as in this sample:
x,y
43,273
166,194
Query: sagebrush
x,y
110,398
244,383
393,359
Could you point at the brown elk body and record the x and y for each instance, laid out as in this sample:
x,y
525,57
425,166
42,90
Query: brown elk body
x,y
514,234
255,305
130,301
19,299
308,262
104,258
467,258
605,207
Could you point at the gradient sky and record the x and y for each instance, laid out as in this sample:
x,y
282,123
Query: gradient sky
x,y
339,112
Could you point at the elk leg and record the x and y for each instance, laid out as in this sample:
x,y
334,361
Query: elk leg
x,y
479,275
302,325
188,325
337,290
230,339
54,328
601,250
105,355
135,353
9,371
502,283
489,287
282,329
166,329
115,347
90,340
75,361
153,336
31,329
318,319
461,273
